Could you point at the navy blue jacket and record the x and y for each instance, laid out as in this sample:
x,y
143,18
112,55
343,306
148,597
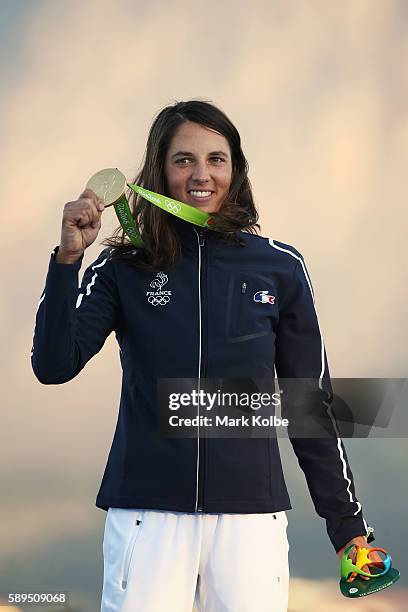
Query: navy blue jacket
x,y
194,321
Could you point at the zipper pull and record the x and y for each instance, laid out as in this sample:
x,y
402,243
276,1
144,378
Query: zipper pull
x,y
201,238
243,287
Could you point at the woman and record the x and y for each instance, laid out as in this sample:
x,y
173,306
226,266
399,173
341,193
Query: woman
x,y
194,517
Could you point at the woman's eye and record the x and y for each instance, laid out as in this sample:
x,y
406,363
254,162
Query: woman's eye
x,y
187,159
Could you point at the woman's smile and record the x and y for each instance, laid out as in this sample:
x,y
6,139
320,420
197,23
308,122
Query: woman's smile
x,y
200,196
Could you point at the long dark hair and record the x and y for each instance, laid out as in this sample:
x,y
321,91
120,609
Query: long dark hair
x,y
237,212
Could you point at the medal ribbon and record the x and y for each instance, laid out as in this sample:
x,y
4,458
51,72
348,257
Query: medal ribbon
x,y
178,209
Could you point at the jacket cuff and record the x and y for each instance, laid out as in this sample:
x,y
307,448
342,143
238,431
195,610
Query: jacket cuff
x,y
341,532
54,264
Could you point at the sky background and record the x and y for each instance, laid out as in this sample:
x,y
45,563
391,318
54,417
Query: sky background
x,y
319,93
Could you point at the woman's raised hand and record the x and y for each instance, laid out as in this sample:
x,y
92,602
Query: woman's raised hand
x,y
81,222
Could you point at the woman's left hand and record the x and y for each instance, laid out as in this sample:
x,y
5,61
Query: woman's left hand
x,y
360,541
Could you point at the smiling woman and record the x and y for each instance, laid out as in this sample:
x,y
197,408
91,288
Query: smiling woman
x,y
193,155
196,517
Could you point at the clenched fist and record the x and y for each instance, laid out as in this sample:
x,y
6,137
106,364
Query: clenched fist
x,y
81,223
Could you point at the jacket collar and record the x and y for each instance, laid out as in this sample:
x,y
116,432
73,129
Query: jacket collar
x,y
189,235
188,232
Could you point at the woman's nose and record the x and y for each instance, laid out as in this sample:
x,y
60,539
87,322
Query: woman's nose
x,y
200,172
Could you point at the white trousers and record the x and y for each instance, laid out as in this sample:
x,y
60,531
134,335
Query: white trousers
x,y
165,561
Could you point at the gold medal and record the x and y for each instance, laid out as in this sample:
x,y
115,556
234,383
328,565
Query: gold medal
x,y
109,184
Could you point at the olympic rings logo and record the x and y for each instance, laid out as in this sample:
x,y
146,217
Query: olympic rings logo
x,y
158,300
172,207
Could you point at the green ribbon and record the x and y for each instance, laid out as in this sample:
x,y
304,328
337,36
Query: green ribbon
x,y
174,207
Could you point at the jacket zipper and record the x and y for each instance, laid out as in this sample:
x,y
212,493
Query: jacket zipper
x,y
200,481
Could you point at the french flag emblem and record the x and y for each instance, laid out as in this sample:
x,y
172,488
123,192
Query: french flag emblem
x,y
264,297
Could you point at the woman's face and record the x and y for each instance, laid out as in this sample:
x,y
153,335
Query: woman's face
x,y
198,159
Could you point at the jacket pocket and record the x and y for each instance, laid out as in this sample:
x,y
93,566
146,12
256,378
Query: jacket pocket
x,y
136,528
283,521
251,307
